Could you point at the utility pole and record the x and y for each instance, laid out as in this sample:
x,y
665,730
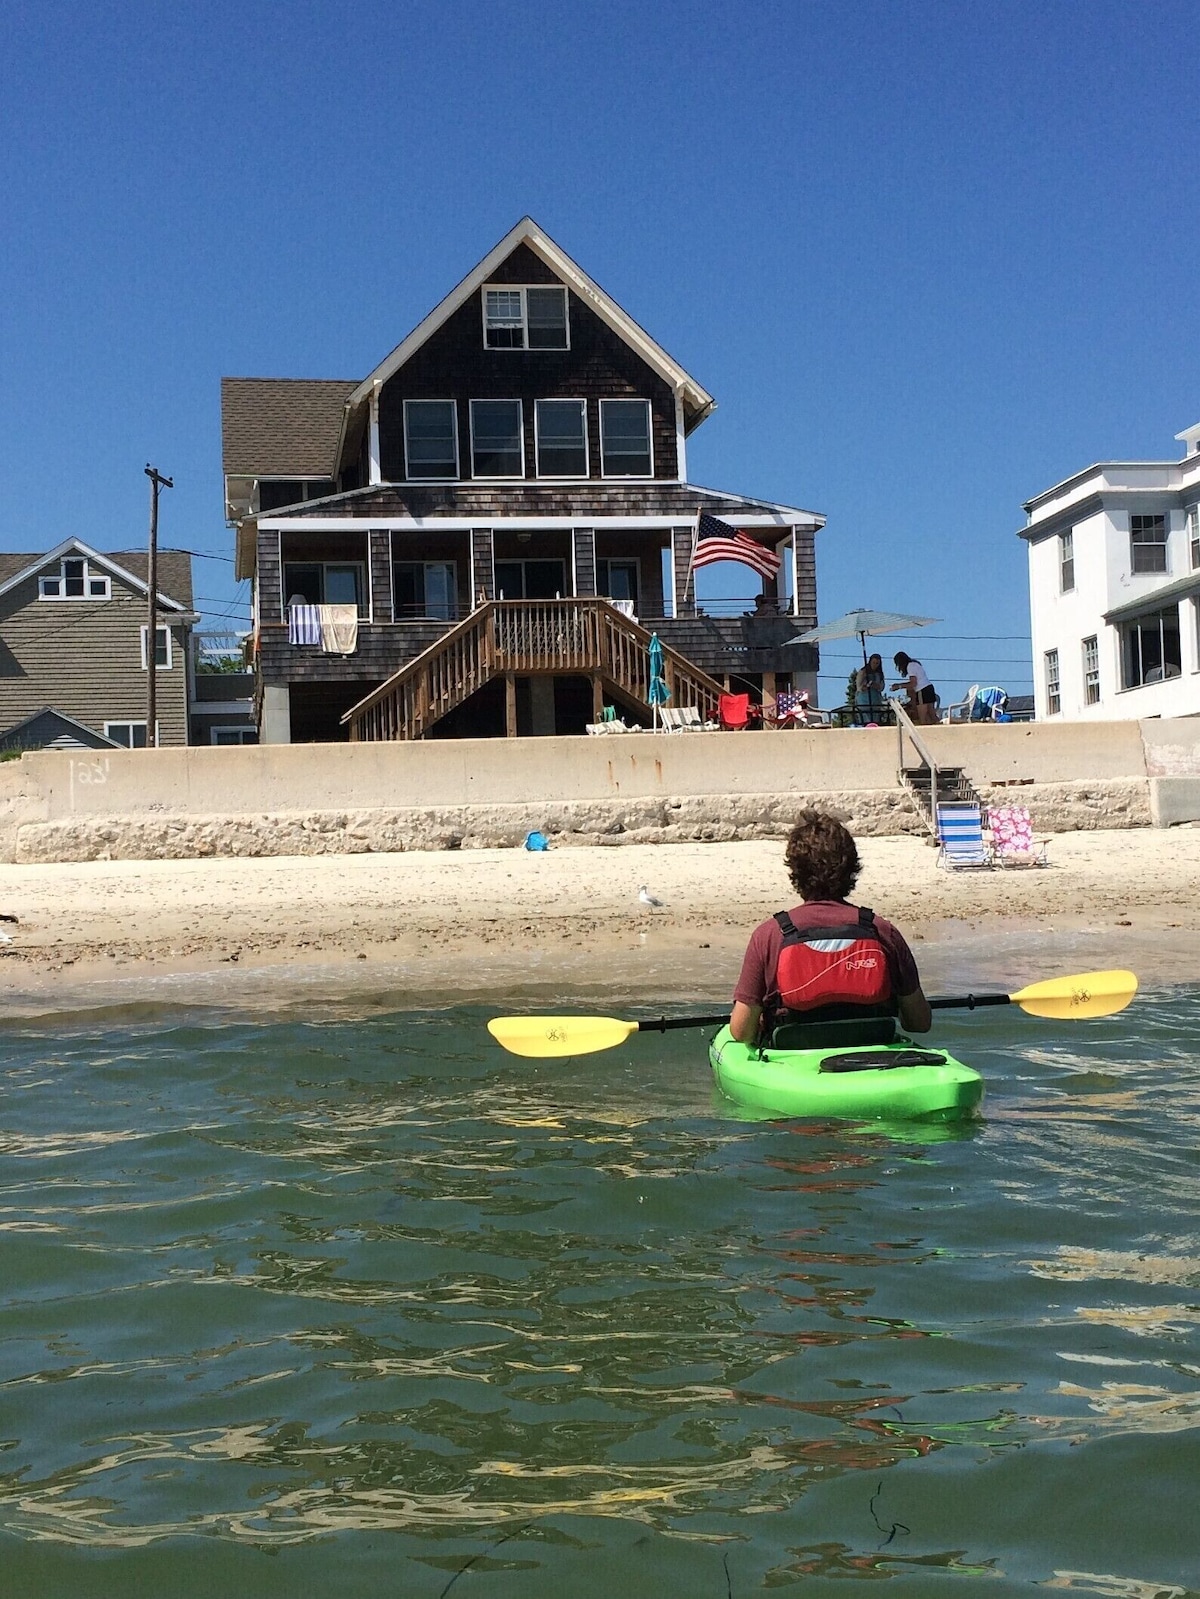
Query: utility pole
x,y
157,483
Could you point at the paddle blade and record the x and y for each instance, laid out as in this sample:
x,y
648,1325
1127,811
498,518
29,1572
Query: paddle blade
x,y
545,1037
1088,994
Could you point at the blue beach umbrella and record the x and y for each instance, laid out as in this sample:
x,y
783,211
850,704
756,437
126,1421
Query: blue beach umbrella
x,y
659,692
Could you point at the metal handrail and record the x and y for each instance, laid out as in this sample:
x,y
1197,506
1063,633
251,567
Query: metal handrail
x,y
905,724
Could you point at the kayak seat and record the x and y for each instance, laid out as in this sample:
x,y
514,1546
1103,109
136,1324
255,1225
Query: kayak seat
x,y
834,1035
878,1060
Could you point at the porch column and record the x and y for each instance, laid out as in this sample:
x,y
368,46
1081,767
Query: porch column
x,y
795,574
583,562
275,716
483,566
682,542
374,471
379,544
510,705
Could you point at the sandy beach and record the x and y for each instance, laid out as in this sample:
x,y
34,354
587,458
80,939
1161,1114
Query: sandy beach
x,y
569,920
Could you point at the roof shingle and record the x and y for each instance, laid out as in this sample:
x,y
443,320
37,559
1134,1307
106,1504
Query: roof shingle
x,y
281,427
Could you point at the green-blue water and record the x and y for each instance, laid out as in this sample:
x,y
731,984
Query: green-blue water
x,y
353,1306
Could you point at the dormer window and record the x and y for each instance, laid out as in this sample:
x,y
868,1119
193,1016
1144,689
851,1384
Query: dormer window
x,y
75,580
533,318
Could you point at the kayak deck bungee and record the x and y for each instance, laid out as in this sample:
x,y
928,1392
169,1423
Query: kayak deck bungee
x,y
881,1082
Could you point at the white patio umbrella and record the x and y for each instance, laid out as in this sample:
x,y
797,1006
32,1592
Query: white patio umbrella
x,y
857,624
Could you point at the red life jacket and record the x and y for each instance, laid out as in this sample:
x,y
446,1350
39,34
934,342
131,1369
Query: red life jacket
x,y
820,966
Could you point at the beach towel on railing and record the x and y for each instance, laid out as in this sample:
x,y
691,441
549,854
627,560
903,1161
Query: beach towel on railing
x,y
304,624
339,629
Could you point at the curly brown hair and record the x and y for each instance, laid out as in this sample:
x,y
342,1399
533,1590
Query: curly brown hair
x,y
821,857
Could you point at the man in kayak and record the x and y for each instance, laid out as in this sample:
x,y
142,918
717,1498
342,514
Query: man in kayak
x,y
826,960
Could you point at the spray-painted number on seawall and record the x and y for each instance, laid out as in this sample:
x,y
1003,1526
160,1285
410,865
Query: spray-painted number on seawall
x,y
89,771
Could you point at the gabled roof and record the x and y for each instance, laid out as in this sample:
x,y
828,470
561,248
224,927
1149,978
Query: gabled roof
x,y
174,568
282,427
697,401
65,731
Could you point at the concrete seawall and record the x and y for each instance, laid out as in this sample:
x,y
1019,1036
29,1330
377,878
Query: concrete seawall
x,y
349,798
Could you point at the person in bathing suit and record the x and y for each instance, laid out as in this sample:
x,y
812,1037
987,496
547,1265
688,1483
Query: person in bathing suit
x,y
826,960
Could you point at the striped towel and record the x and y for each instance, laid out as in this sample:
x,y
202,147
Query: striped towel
x,y
304,624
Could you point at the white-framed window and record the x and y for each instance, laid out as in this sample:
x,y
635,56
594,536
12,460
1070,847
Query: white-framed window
x,y
1150,648
426,589
520,317
131,734
497,438
75,580
431,439
162,648
625,445
617,580
326,583
1147,543
560,435
233,735
1053,684
1091,670
1193,525
1066,561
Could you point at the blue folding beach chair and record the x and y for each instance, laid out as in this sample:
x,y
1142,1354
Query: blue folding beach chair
x,y
960,837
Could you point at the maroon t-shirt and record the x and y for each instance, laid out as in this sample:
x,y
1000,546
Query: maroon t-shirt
x,y
762,953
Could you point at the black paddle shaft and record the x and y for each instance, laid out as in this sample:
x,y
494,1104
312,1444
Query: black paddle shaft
x,y
949,1002
969,1001
667,1023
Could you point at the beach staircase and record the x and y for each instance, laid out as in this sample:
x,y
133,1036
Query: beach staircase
x,y
511,639
929,784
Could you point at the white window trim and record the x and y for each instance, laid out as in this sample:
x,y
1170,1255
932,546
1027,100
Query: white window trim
x,y
1192,534
523,289
562,477
1066,543
628,477
238,727
159,627
432,400
1055,678
89,577
1151,544
364,569
486,477
133,721
1094,641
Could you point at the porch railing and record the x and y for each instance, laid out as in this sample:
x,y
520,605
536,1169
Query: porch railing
x,y
525,638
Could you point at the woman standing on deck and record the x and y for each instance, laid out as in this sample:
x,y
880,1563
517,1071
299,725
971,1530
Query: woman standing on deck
x,y
868,691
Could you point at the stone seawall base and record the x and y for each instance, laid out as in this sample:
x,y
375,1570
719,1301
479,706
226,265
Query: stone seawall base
x,y
1055,808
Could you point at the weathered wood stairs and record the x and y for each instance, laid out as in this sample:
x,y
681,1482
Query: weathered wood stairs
x,y
527,638
929,784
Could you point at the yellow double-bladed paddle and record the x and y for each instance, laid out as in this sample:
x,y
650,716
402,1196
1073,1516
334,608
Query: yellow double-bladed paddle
x,y
1064,998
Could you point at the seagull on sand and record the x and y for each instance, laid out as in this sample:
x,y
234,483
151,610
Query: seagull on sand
x,y
645,897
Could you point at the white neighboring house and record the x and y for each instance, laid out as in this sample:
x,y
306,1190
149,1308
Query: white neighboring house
x,y
1114,589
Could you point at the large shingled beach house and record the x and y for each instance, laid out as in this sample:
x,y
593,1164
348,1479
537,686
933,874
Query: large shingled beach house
x,y
480,536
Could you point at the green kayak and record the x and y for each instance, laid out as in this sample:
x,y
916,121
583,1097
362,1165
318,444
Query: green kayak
x,y
880,1082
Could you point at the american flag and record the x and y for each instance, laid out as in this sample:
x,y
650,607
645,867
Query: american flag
x,y
718,541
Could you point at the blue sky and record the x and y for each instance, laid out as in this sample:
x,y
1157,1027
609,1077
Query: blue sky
x,y
929,257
